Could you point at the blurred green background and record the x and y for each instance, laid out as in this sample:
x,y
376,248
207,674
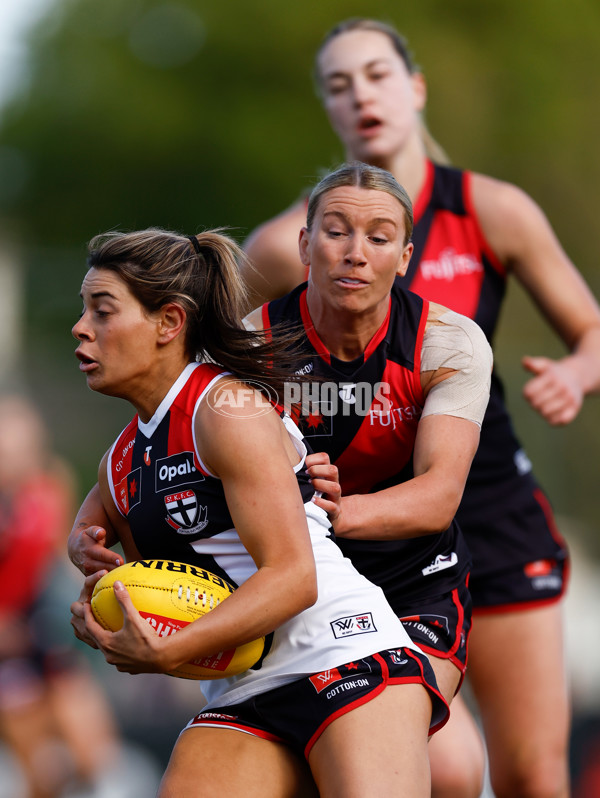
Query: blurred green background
x,y
194,114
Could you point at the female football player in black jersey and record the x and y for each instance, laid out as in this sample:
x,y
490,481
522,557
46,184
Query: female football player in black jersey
x,y
471,233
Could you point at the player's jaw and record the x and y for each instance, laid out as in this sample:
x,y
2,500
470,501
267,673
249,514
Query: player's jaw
x,y
93,369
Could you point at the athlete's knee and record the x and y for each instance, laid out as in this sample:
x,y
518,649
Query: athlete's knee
x,y
457,785
548,777
457,756
460,777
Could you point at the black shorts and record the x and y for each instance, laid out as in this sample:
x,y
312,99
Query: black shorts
x,y
532,585
520,559
441,625
299,712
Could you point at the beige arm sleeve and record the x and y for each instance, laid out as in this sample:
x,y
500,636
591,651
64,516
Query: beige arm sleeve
x,y
456,342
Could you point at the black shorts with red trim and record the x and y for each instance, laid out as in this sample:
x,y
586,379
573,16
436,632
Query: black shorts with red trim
x,y
299,712
524,587
441,625
520,559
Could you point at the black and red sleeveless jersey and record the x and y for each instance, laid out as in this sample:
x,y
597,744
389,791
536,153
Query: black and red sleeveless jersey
x,y
454,265
174,507
364,414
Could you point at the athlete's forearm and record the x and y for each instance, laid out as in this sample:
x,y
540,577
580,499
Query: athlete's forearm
x,y
584,361
419,507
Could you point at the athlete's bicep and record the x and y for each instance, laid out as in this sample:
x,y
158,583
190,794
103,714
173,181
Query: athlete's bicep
x,y
445,445
249,453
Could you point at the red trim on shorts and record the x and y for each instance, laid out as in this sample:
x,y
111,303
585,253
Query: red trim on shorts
x,y
546,508
432,689
385,673
241,727
532,604
342,711
349,707
450,654
524,605
458,664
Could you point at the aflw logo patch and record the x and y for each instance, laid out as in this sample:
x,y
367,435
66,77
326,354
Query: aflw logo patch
x,y
352,674
353,625
322,680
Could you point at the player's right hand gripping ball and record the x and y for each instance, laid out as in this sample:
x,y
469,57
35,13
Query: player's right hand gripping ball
x,y
169,595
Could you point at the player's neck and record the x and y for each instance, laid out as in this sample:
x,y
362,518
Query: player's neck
x,y
345,333
409,167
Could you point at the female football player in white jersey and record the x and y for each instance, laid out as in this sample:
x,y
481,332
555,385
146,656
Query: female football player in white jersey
x,y
341,683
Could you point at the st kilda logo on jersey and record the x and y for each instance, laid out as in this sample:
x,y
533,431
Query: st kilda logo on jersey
x,y
184,513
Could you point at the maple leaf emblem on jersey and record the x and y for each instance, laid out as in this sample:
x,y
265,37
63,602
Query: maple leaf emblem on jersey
x,y
313,420
310,422
128,490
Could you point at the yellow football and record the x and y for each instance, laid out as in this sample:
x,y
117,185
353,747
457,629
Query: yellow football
x,y
169,595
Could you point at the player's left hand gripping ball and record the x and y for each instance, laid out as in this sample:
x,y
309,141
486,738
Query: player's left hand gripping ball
x,y
169,595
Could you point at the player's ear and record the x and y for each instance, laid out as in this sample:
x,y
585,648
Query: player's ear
x,y
405,259
171,322
419,86
303,241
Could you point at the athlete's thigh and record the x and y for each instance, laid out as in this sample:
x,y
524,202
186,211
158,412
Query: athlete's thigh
x,y
379,748
457,755
456,751
517,671
447,675
209,761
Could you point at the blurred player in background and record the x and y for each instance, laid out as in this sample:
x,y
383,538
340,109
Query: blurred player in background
x,y
48,698
471,233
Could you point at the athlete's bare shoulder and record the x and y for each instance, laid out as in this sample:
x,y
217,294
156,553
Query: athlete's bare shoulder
x,y
510,219
272,248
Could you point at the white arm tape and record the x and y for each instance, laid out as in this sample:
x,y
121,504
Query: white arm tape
x,y
456,342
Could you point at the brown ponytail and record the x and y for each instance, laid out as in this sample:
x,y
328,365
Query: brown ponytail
x,y
160,266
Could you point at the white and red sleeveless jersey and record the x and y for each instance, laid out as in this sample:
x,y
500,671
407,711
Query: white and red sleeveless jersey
x,y
177,510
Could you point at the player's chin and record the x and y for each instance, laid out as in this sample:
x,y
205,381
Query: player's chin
x,y
94,380
98,382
